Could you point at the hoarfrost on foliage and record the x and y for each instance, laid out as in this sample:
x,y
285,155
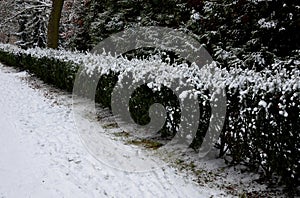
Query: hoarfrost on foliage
x,y
267,24
195,16
262,103
247,82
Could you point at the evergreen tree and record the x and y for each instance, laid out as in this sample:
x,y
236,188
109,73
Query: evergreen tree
x,y
8,23
78,34
32,21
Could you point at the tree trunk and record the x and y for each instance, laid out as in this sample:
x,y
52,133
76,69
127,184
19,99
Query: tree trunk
x,y
53,24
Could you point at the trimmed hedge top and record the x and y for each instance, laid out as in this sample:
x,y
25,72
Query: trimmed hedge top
x,y
262,119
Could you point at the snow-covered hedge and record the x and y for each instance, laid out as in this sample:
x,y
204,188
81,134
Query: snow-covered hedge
x,y
51,69
262,121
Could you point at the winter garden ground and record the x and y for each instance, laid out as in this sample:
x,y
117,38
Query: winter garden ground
x,y
255,47
42,154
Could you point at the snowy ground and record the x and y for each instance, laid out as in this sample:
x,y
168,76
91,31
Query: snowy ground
x,y
42,154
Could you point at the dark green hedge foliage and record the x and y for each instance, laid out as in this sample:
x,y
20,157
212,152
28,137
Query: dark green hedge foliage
x,y
58,73
253,135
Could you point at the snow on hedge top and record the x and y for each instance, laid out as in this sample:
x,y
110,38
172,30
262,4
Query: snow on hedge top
x,y
244,81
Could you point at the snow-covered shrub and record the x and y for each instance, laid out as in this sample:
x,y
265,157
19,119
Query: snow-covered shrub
x,y
9,59
50,69
262,128
262,121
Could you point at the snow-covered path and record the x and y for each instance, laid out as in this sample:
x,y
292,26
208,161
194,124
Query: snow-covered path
x,y
42,155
